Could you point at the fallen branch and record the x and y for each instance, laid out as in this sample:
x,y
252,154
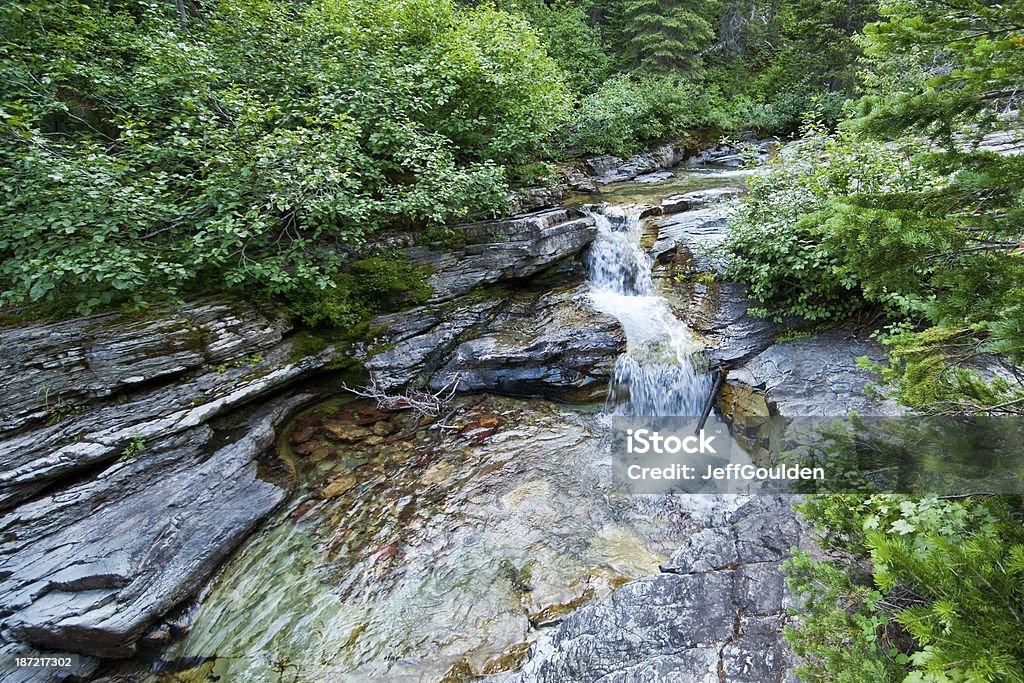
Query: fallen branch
x,y
424,403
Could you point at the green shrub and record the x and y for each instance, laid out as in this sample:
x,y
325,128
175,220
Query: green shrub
x,y
366,287
785,240
627,112
254,146
913,590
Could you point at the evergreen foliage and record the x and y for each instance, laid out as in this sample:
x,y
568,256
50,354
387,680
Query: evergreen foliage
x,y
938,244
914,590
665,36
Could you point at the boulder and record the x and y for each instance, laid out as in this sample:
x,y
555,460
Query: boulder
x,y
817,376
553,345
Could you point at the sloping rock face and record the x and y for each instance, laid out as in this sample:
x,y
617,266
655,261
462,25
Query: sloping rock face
x,y
89,568
611,169
715,613
687,244
128,464
550,344
554,346
817,376
507,249
78,393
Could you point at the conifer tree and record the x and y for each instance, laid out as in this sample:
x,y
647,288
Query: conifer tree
x,y
666,36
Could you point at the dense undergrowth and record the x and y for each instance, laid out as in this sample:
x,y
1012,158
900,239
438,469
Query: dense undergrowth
x,y
897,210
158,150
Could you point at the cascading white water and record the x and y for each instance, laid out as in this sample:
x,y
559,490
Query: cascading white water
x,y
659,373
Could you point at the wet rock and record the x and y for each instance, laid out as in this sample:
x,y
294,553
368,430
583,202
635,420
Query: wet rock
x,y
817,375
88,568
416,342
481,428
553,345
302,434
539,344
716,614
700,232
705,551
230,353
306,447
344,431
367,415
719,312
134,474
383,428
436,474
658,177
339,486
508,249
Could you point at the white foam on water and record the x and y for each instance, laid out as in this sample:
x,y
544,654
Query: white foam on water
x,y
660,374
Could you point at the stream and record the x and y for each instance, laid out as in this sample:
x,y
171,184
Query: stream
x,y
423,555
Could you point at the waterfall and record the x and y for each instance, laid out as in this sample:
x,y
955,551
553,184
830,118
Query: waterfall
x,y
659,375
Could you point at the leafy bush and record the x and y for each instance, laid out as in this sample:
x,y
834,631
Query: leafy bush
x,y
628,111
251,145
785,239
914,590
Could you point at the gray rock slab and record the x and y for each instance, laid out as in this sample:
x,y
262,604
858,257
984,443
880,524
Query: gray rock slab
x,y
510,249
726,601
89,568
817,376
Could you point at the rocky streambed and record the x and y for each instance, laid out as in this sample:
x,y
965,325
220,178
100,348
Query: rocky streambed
x,y
138,459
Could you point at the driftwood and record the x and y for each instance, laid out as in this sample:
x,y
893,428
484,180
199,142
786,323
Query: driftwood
x,y
424,403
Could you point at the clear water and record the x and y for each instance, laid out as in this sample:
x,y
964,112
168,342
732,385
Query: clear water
x,y
446,564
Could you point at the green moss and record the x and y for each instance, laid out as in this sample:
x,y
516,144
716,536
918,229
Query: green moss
x,y
376,284
307,343
444,237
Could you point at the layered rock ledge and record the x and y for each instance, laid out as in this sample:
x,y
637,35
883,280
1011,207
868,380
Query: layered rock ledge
x,y
715,613
129,463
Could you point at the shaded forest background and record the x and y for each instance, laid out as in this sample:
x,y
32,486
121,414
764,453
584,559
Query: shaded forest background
x,y
153,150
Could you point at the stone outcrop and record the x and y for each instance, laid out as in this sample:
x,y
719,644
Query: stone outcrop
x,y
554,345
128,463
817,376
688,240
549,344
715,613
610,169
89,568
499,250
79,393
